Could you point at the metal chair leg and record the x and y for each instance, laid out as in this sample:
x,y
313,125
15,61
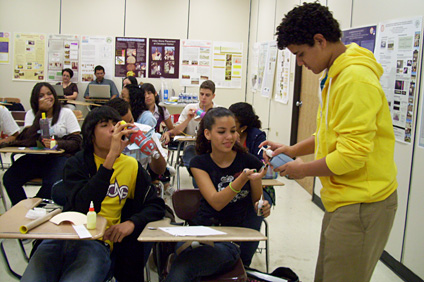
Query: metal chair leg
x,y
266,247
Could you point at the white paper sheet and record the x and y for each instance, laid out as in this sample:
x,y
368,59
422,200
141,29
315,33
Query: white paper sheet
x,y
191,231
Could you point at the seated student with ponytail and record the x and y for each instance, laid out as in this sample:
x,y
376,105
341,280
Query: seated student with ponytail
x,y
229,182
121,192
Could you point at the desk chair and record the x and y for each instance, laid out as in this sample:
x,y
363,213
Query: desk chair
x,y
19,117
186,203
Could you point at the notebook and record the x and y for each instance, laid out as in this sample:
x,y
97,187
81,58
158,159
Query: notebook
x,y
59,91
98,91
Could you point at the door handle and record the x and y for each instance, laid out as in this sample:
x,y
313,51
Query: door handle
x,y
299,103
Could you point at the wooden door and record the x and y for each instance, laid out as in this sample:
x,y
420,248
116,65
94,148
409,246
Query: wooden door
x,y
306,125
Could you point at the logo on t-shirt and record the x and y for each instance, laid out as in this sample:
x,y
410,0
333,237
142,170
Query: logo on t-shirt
x,y
116,190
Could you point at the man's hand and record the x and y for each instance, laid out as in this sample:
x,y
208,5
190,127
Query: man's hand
x,y
165,138
292,170
118,144
277,149
191,113
117,232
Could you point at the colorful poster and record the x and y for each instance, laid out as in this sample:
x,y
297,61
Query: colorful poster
x,y
63,53
195,61
363,36
269,70
164,58
227,64
282,88
96,50
398,50
28,60
4,47
130,56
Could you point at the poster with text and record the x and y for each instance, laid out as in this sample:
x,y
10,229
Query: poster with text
x,y
254,69
96,50
130,56
269,70
4,47
282,88
263,54
164,58
196,60
227,64
363,36
28,59
62,53
398,50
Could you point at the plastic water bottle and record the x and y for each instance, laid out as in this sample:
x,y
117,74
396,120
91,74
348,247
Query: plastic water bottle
x,y
165,95
91,217
189,98
44,126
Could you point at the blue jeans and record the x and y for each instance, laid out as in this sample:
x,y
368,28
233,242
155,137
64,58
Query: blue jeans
x,y
47,167
252,220
191,264
73,260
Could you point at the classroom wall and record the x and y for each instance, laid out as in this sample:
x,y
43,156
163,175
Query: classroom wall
x,y
217,20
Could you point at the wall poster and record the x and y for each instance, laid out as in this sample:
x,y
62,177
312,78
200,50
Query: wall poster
x,y
269,70
4,47
28,59
62,53
282,89
195,61
130,56
363,36
96,50
263,54
398,50
227,64
164,58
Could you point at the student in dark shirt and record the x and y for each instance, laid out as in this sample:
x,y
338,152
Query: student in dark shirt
x,y
229,182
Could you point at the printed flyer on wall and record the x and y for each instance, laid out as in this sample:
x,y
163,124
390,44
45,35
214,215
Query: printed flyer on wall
x,y
62,53
130,56
28,60
398,51
195,61
363,36
282,88
263,54
269,71
4,47
227,64
164,58
96,50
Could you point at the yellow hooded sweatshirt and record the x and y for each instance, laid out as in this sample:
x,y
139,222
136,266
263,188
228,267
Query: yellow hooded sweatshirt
x,y
355,132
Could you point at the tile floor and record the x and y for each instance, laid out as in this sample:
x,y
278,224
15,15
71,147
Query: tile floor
x,y
294,227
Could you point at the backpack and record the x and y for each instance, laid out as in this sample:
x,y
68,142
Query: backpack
x,y
285,273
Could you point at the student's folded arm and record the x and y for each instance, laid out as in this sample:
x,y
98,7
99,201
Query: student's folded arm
x,y
71,143
81,187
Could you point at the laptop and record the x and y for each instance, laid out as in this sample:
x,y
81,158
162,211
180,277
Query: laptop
x,y
59,91
98,91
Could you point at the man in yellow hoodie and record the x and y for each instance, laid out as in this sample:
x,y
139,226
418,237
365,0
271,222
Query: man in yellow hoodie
x,y
353,145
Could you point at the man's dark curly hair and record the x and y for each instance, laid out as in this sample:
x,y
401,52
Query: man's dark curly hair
x,y
301,24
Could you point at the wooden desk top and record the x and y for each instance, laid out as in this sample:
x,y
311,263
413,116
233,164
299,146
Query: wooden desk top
x,y
184,138
15,218
29,150
236,234
81,103
5,103
272,182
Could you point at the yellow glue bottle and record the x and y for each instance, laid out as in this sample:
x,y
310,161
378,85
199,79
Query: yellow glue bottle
x,y
91,217
53,143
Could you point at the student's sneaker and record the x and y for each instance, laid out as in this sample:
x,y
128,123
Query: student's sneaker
x,y
170,191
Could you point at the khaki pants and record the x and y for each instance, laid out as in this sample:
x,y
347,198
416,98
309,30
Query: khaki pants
x,y
353,238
